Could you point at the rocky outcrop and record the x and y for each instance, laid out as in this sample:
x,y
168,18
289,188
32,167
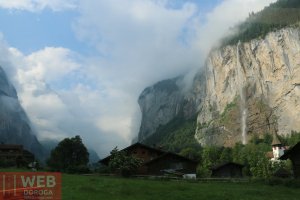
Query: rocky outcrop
x,y
163,102
15,127
266,73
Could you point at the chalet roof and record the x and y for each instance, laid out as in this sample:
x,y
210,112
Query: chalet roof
x,y
276,140
144,146
226,164
294,150
170,154
133,146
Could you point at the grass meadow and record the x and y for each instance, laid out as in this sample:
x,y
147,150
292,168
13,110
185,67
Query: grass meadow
x,y
96,187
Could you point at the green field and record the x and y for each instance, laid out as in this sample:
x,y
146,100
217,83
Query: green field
x,y
78,187
96,187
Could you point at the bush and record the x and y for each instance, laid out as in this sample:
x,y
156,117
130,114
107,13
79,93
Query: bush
x,y
81,169
203,172
102,169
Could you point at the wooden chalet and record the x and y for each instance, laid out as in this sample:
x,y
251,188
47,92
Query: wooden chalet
x,y
8,151
157,161
294,155
15,154
228,170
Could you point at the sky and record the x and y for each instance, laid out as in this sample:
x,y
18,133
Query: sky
x,y
80,65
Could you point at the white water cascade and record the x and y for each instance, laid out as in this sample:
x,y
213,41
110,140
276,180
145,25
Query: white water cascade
x,y
243,105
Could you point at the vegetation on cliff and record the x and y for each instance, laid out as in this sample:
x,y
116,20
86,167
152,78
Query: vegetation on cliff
x,y
278,15
175,136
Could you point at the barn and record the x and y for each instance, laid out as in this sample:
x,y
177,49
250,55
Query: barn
x,y
228,170
294,155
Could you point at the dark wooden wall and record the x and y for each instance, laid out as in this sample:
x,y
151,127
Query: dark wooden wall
x,y
169,162
228,171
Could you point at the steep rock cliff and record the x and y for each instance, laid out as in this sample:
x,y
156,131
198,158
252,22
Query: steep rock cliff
x,y
259,79
15,127
163,102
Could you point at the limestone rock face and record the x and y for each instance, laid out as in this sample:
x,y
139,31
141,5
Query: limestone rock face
x,y
266,73
163,102
15,127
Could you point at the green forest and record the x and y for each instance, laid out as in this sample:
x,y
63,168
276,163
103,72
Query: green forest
x,y
278,15
178,136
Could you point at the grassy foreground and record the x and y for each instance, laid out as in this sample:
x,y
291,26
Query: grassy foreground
x,y
90,188
78,187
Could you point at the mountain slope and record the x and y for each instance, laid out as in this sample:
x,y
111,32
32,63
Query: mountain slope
x,y
15,127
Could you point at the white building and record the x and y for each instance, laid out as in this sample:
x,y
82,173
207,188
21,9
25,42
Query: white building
x,y
277,147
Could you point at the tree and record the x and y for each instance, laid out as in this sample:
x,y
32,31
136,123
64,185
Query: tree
x,y
70,155
122,163
226,155
210,158
191,153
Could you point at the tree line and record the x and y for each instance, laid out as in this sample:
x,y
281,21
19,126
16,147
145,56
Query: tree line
x,y
278,15
252,156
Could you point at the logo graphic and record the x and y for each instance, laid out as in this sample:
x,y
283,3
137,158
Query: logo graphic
x,y
30,186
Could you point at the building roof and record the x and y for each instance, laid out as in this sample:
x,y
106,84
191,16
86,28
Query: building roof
x,y
106,159
276,140
294,150
226,164
170,154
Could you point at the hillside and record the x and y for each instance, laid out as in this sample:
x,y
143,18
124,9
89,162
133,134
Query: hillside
x,y
15,126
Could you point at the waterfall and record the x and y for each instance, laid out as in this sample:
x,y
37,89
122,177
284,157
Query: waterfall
x,y
243,106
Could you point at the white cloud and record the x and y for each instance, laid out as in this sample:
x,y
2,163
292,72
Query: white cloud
x,y
137,39
52,64
38,5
